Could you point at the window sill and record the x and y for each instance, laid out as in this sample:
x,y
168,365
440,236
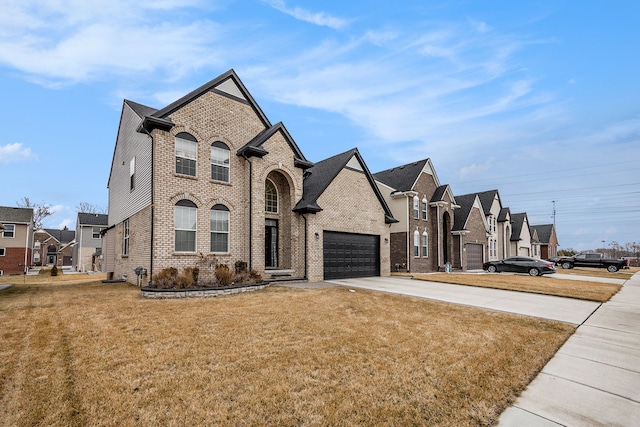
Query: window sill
x,y
185,253
179,175
215,181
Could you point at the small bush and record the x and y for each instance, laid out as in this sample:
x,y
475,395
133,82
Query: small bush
x,y
166,278
241,267
223,275
194,272
54,271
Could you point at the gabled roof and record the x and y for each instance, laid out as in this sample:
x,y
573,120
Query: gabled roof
x,y
518,222
544,232
160,118
139,109
62,236
92,219
504,215
461,216
320,176
11,215
487,198
255,146
401,178
438,195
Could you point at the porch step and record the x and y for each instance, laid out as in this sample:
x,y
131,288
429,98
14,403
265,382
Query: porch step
x,y
279,273
285,280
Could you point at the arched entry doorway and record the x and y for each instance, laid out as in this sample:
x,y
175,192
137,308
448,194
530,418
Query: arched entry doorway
x,y
446,237
277,221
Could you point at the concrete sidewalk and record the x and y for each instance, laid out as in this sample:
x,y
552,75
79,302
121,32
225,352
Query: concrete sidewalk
x,y
594,379
567,310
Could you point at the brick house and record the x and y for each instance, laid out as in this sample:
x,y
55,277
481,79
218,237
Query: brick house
x,y
471,233
547,239
208,179
53,247
16,239
421,240
520,235
87,250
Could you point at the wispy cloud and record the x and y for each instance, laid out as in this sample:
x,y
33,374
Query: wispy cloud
x,y
16,152
316,18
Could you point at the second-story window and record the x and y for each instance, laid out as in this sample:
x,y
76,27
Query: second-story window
x,y
186,154
9,231
95,232
416,207
424,209
219,162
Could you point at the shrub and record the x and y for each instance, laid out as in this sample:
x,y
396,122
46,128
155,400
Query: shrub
x,y
166,278
193,273
223,274
54,271
241,267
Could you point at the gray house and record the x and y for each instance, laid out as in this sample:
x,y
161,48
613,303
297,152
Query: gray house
x,y
87,251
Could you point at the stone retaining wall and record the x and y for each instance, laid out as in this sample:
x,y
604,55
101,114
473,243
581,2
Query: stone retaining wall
x,y
200,293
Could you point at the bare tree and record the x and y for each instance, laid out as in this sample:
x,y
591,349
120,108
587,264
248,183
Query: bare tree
x,y
40,210
86,207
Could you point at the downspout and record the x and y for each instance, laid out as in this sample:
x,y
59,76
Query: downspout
x,y
79,260
409,237
439,239
26,250
153,207
305,246
251,211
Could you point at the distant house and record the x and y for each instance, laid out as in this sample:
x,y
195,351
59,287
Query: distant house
x,y
547,240
53,247
421,240
16,238
471,231
208,179
520,235
87,250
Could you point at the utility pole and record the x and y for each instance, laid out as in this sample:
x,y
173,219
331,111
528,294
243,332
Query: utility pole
x,y
554,213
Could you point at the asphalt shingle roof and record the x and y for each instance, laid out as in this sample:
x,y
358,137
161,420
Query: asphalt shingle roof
x,y
16,215
401,178
518,222
92,219
461,214
62,236
544,232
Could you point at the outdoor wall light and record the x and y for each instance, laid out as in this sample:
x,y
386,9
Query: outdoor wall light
x,y
317,236
386,240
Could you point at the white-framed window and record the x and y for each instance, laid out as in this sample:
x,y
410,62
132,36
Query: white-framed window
x,y
1,273
425,244
416,207
416,244
36,245
132,174
219,224
9,231
95,232
3,251
186,154
125,238
36,257
424,209
220,161
270,197
185,213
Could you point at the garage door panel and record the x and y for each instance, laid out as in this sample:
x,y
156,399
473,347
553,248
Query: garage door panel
x,y
350,255
474,256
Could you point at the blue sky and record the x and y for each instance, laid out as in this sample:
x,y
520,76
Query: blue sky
x,y
538,99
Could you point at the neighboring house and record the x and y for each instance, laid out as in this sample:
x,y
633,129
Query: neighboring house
x,y
53,247
88,248
421,240
520,235
500,227
471,233
547,239
208,179
16,239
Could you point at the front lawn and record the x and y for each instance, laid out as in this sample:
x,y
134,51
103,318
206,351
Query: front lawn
x,y
76,354
547,285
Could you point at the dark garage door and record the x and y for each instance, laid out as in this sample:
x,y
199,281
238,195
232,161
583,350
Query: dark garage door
x,y
350,255
474,256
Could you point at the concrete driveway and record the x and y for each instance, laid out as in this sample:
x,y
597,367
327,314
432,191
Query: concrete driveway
x,y
548,307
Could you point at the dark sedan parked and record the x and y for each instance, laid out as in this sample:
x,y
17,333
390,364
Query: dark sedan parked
x,y
520,264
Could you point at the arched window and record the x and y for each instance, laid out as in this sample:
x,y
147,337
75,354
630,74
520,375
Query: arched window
x,y
424,209
416,207
219,161
425,244
186,154
219,224
416,244
270,197
185,213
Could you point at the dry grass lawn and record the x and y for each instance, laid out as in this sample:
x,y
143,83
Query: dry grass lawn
x,y
598,272
580,289
81,354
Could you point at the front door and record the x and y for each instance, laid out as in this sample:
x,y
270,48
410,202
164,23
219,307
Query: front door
x,y
271,243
